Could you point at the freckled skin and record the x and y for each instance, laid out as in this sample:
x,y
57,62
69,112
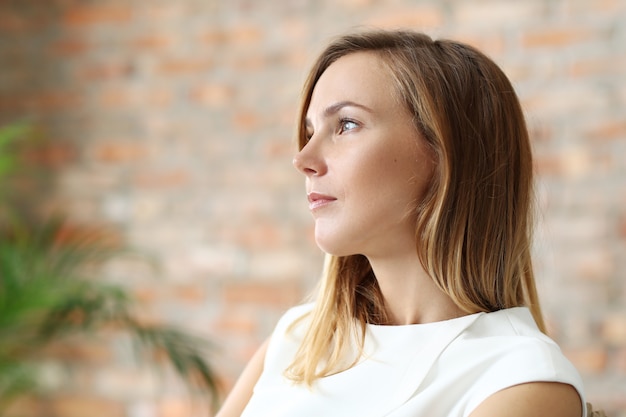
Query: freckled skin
x,y
376,167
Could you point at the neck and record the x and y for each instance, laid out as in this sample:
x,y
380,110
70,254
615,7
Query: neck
x,y
411,296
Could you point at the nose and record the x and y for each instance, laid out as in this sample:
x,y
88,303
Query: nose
x,y
309,160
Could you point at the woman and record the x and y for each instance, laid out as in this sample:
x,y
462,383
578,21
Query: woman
x,y
419,177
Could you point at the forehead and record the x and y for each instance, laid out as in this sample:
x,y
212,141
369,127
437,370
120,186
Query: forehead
x,y
360,77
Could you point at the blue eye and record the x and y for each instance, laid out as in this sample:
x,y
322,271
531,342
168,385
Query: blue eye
x,y
347,125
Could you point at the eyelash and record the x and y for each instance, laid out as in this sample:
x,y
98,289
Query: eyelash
x,y
341,128
343,121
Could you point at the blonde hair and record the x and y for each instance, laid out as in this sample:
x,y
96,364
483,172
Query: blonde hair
x,y
474,223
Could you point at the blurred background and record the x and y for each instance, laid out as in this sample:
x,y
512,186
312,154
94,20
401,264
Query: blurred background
x,y
166,127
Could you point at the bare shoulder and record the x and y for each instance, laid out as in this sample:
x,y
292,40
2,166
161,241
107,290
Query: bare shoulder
x,y
241,393
532,399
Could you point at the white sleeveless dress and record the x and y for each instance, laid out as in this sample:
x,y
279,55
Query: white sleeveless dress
x,y
436,369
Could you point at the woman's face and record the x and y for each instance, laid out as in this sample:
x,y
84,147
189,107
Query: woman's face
x,y
365,164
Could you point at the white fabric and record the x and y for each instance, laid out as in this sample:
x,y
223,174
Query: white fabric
x,y
424,370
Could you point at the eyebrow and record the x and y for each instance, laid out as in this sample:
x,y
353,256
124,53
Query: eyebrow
x,y
334,108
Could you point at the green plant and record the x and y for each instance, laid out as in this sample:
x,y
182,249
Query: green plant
x,y
49,291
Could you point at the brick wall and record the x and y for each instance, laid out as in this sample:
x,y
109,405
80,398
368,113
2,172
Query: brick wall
x,y
171,122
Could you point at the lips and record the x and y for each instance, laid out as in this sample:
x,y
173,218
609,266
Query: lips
x,y
317,200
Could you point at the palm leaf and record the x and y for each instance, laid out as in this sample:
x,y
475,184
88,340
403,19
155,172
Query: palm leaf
x,y
45,296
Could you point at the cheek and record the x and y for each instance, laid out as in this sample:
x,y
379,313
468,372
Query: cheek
x,y
419,165
407,177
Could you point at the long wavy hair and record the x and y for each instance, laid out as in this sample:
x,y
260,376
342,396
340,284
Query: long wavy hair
x,y
474,223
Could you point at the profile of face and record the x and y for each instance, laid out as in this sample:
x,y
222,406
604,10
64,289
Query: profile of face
x,y
365,164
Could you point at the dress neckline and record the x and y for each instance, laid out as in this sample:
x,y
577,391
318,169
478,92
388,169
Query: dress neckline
x,y
422,325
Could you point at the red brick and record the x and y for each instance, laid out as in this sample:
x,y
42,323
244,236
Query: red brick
x,y
416,17
622,226
620,361
296,59
495,14
70,47
116,97
247,120
152,42
588,360
294,29
596,8
236,324
215,37
120,152
183,406
356,4
540,133
145,295
598,67
81,406
72,233
51,154
240,35
246,35
279,148
25,406
608,130
262,234
609,6
42,101
614,329
87,15
190,294
595,265
162,179
554,37
263,294
80,350
175,407
250,62
214,95
13,20
491,45
517,72
181,66
164,12
548,165
159,98
106,71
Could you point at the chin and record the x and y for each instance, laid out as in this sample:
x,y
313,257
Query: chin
x,y
332,247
